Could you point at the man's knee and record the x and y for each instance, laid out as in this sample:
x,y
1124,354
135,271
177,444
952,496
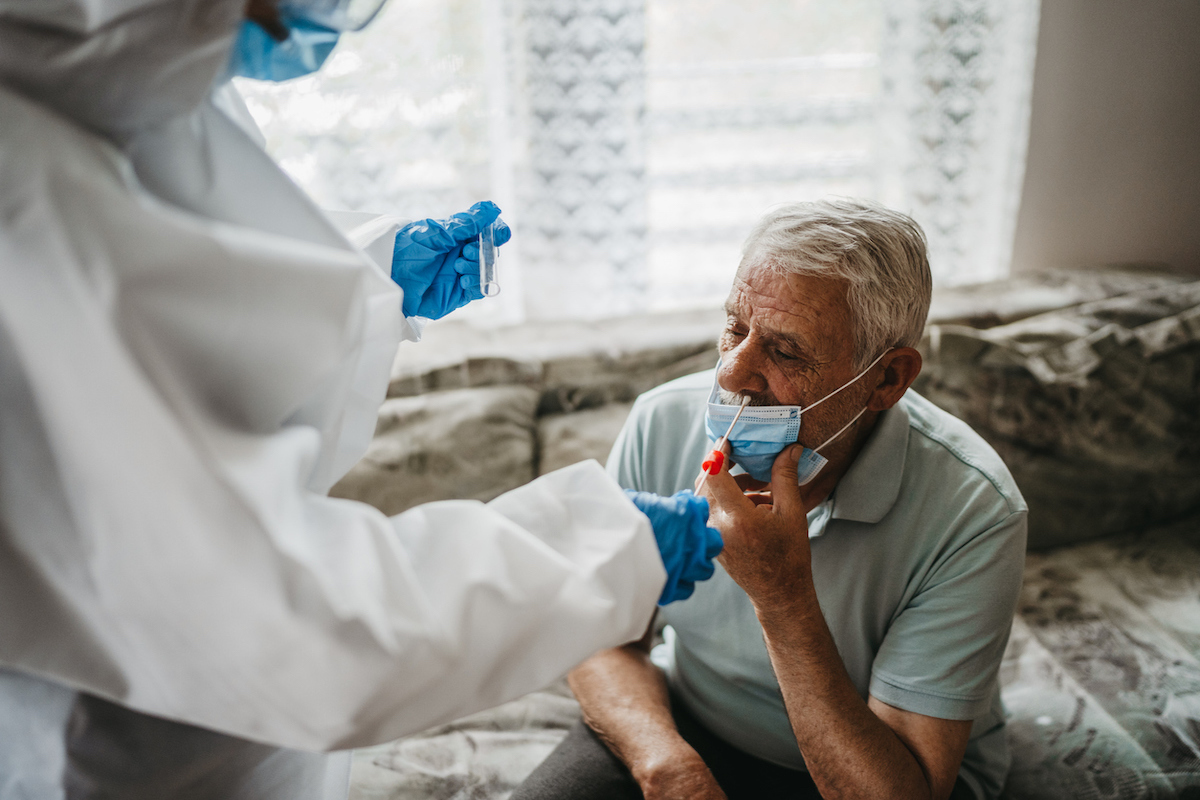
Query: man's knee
x,y
580,768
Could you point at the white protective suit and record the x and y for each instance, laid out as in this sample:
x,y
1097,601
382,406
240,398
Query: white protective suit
x,y
190,355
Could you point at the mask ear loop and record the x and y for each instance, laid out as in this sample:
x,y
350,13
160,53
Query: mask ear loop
x,y
843,430
835,391
847,383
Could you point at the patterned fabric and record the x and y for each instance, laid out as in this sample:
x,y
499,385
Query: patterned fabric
x,y
958,75
1095,409
481,757
632,175
1101,681
583,184
1102,674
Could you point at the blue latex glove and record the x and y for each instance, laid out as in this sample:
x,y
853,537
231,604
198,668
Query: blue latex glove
x,y
436,262
686,543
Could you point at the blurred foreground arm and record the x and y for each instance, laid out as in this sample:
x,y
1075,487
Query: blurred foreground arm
x,y
624,700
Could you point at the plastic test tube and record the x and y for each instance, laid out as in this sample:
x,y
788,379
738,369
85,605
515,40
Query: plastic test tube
x,y
487,262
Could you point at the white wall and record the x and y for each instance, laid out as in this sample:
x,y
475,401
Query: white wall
x,y
1114,153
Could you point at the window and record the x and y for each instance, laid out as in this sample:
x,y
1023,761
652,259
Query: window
x,y
632,143
750,105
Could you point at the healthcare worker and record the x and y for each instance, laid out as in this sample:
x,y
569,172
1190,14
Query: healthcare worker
x,y
191,354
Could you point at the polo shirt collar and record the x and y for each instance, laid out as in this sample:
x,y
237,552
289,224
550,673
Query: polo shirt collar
x,y
868,490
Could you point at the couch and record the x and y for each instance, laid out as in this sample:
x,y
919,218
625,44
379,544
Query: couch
x,y
1087,383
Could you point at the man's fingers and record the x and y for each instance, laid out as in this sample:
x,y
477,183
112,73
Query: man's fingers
x,y
761,498
722,491
785,490
759,492
703,477
748,484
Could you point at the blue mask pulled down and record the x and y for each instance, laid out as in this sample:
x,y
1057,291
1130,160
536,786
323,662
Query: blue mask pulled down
x,y
257,55
763,432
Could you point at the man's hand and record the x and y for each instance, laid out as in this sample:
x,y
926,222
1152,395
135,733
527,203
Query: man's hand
x,y
766,534
684,777
759,492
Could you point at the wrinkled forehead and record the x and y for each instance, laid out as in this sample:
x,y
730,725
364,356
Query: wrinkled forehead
x,y
811,309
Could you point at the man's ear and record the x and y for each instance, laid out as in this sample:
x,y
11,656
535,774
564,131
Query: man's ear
x,y
900,368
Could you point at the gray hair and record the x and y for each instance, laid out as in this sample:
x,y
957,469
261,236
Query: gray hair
x,y
879,252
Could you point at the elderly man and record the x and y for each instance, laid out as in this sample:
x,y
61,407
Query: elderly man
x,y
850,645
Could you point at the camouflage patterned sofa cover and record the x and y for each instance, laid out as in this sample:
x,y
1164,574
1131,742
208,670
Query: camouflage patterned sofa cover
x,y
1096,407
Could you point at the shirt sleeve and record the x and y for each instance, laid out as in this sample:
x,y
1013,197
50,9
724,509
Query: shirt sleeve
x,y
624,463
941,655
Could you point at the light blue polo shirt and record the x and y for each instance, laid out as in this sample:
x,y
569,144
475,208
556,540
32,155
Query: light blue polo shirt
x,y
917,561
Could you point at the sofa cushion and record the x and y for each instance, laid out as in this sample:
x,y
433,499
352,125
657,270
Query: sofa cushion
x,y
1095,408
473,444
1102,674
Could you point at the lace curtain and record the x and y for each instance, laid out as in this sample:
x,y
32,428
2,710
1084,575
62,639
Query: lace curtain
x,y
632,143
579,105
958,75
408,117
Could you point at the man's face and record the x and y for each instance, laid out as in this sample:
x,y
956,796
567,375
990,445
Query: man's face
x,y
788,340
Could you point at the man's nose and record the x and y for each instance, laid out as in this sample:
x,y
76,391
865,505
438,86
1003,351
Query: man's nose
x,y
741,369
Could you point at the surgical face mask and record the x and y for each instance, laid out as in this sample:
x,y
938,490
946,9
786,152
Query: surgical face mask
x,y
763,432
313,30
257,55
340,15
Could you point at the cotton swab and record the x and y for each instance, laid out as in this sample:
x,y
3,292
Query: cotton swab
x,y
716,459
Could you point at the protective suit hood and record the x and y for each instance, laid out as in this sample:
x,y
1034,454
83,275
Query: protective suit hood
x,y
191,355
116,66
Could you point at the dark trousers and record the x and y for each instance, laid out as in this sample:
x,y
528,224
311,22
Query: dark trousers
x,y
583,768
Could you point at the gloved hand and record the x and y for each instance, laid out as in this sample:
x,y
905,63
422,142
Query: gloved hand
x,y
436,262
685,541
